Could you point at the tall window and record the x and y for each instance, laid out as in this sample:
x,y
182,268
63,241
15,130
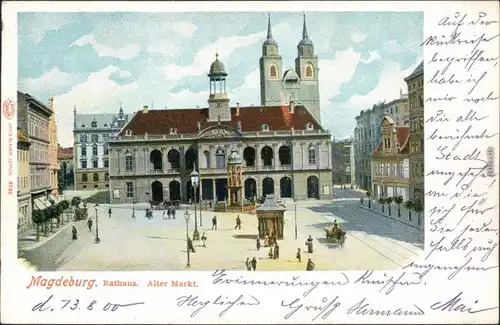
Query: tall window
x,y
95,177
106,163
129,162
312,155
273,71
84,177
84,164
95,163
105,137
130,189
105,149
94,137
94,150
83,138
309,71
84,150
220,158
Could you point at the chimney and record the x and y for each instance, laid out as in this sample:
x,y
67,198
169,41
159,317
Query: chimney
x,y
292,106
145,109
237,109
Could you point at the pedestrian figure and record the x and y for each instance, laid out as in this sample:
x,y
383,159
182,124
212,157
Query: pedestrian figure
x,y
271,251
309,244
168,213
204,239
310,265
214,223
89,224
248,264
254,263
257,244
238,223
173,213
109,213
276,251
75,233
299,255
191,246
210,204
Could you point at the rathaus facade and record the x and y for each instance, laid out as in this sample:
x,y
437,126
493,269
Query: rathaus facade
x,y
284,149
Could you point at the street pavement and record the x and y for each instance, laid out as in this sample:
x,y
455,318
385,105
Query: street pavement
x,y
140,244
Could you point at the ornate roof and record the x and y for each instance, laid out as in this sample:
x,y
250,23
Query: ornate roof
x,y
217,67
234,158
270,204
156,122
64,153
417,72
101,121
305,37
402,135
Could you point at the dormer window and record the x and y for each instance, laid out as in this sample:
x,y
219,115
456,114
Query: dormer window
x,y
173,131
309,126
94,124
105,125
128,132
264,127
83,125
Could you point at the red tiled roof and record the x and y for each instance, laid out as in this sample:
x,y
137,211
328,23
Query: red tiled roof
x,y
156,122
64,153
402,134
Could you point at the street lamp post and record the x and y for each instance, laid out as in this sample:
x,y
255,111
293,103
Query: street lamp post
x,y
97,239
295,206
133,209
194,183
186,217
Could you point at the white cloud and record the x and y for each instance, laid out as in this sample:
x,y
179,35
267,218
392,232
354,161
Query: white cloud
x,y
341,120
357,37
98,94
225,46
127,52
164,47
184,28
249,92
49,82
339,70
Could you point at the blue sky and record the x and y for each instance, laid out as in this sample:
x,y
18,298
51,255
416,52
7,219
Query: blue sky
x,y
98,60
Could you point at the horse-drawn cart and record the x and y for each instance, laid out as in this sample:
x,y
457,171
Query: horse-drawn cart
x,y
335,235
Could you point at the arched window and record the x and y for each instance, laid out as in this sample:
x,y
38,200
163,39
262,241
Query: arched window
x,y
273,71
95,177
312,155
84,177
309,71
220,158
94,150
129,162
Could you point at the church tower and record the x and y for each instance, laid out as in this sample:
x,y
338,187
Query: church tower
x,y
270,71
306,66
218,101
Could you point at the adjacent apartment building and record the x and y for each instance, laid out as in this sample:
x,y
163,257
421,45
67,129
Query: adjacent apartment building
x,y
54,166
415,82
23,182
66,172
341,160
92,133
33,119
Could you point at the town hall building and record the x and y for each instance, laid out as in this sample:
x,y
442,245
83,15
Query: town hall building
x,y
284,149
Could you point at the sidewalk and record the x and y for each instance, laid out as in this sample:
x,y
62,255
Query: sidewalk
x,y
394,215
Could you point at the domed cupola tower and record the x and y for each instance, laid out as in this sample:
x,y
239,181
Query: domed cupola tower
x,y
218,101
270,70
306,66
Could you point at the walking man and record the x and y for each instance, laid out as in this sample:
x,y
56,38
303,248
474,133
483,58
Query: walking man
x,y
254,263
191,246
238,222
89,224
310,265
204,239
109,213
299,255
276,251
214,223
248,264
258,244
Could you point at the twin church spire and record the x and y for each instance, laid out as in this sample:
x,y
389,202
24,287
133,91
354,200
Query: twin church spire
x,y
304,41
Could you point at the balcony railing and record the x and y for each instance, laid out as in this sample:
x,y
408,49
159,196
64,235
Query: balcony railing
x,y
156,171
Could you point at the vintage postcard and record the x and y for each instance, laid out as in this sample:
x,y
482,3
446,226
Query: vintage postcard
x,y
244,162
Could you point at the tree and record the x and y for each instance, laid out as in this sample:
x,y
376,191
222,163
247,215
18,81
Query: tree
x,y
369,194
418,209
51,215
37,218
44,218
60,210
381,200
409,207
398,199
389,201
